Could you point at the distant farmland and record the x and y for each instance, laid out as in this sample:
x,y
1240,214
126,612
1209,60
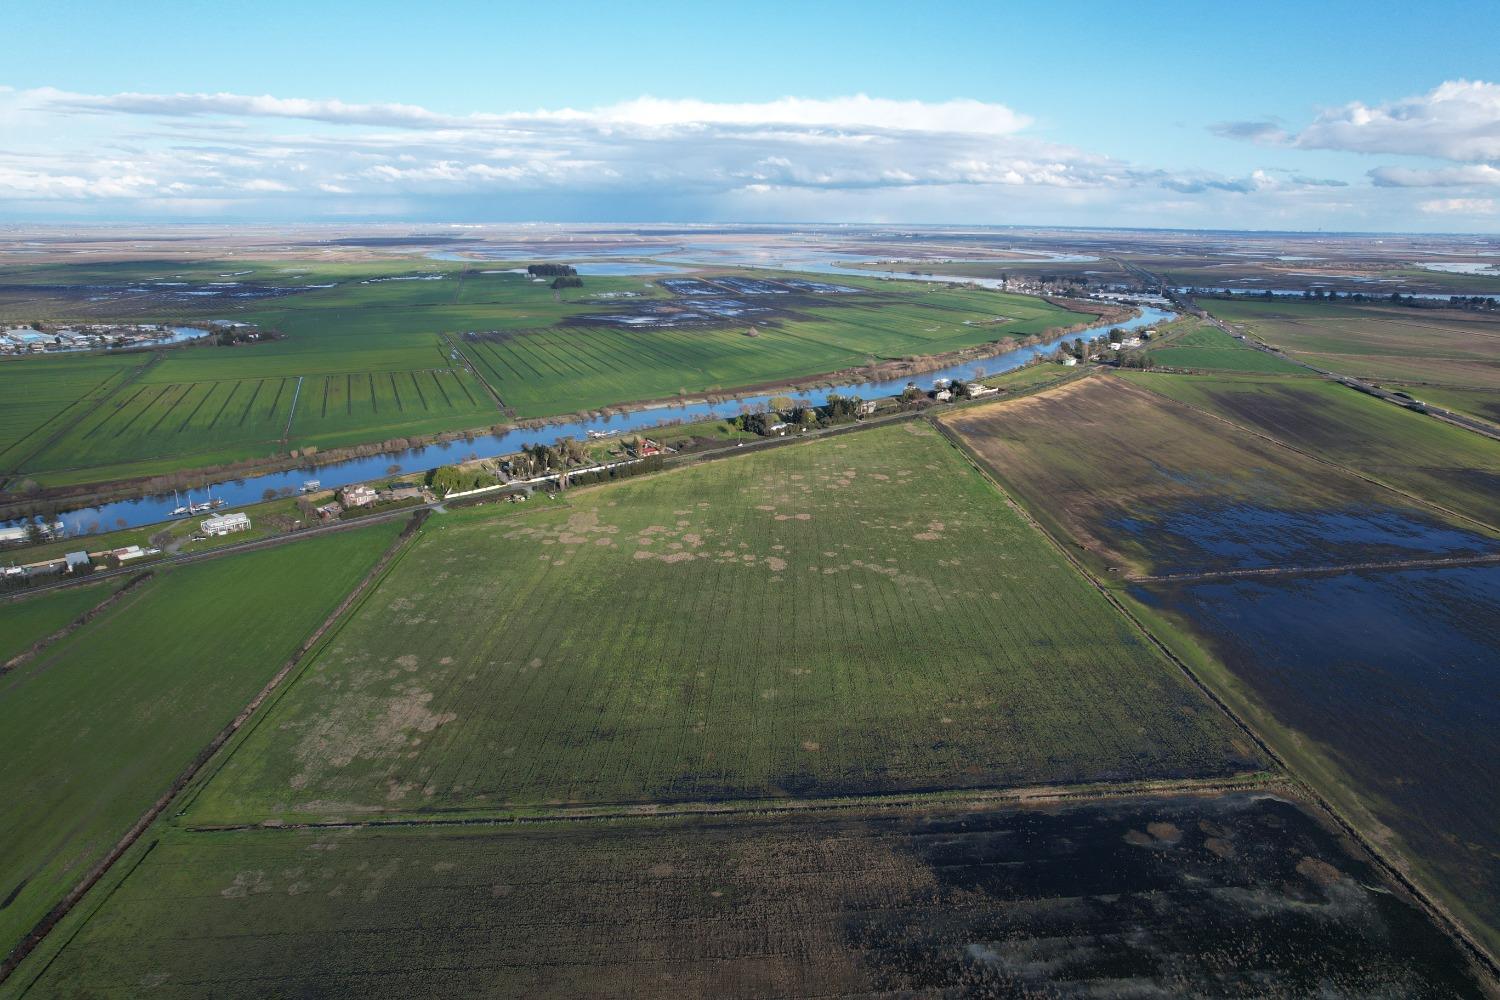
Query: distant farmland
x,y
1211,349
367,353
1444,347
851,616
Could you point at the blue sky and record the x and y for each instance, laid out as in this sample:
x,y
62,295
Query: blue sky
x,y
1370,116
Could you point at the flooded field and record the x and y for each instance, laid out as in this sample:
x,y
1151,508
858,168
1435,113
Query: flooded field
x,y
1214,534
714,302
1238,896
1394,676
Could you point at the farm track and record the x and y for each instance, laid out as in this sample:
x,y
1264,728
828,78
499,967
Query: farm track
x,y
98,871
1392,869
1321,570
473,369
1321,460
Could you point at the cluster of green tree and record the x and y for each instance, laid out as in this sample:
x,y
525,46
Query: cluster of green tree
x,y
1135,359
838,410
652,463
535,459
228,336
567,281
455,479
551,270
1479,303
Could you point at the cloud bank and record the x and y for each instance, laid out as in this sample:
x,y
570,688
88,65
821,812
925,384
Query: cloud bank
x,y
856,158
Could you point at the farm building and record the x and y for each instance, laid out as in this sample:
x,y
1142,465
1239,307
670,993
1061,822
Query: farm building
x,y
867,407
359,495
647,448
943,395
78,562
1068,360
976,390
17,535
225,524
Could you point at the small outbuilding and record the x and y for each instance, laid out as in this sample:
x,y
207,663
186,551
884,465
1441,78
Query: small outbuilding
x,y
78,562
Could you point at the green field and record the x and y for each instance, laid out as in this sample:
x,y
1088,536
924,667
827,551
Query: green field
x,y
38,392
1439,346
1481,403
99,725
1211,349
1447,465
24,621
847,616
368,355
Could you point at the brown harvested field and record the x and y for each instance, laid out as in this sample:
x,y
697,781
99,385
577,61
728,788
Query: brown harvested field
x,y
1138,483
1240,895
1443,464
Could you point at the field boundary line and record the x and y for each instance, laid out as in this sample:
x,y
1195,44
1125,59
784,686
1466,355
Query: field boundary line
x,y
36,648
1394,872
142,824
1018,795
286,432
1270,439
1396,564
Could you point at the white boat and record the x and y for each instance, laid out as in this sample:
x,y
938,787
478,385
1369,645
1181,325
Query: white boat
x,y
311,486
180,510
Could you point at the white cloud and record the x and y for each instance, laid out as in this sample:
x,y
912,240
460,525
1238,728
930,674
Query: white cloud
x,y
1457,120
803,157
1461,206
1470,175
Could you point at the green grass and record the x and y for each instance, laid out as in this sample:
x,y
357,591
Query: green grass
x,y
1449,466
859,614
1379,342
97,727
23,621
1211,349
36,393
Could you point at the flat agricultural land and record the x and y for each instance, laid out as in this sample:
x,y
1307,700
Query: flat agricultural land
x,y
1207,348
1441,463
372,352
99,725
1237,896
1440,346
1385,684
1142,484
857,615
38,392
27,620
1474,402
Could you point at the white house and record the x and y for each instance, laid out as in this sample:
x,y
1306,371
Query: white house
x,y
225,524
1069,360
357,496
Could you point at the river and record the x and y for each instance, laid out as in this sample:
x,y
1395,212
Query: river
x,y
239,492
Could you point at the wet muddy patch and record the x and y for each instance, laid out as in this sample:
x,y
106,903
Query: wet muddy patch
x,y
1395,675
